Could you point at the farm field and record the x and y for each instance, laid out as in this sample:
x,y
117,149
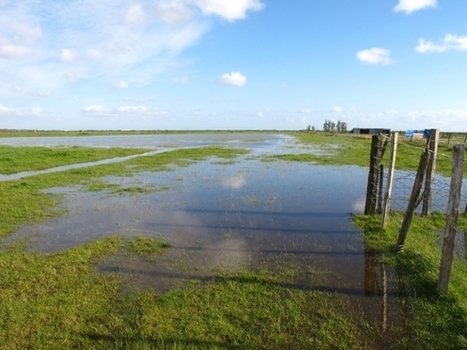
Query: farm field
x,y
244,241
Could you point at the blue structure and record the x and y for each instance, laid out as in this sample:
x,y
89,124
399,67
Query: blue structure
x,y
411,133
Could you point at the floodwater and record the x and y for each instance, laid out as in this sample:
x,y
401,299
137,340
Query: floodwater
x,y
230,215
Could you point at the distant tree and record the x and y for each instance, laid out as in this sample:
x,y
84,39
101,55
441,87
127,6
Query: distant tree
x,y
333,126
339,125
314,129
308,128
344,127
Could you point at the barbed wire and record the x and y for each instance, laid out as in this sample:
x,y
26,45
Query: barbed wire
x,y
403,182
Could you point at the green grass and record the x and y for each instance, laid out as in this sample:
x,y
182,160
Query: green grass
x,y
18,159
437,321
346,149
59,301
147,247
24,201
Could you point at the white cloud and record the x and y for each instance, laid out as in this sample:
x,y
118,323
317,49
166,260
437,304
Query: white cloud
x,y
132,109
121,85
409,6
305,110
174,13
134,16
14,51
337,109
448,43
375,55
36,111
94,53
98,109
25,32
233,79
68,56
4,109
22,37
228,9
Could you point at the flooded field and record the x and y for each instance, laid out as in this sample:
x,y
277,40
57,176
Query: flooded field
x,y
224,214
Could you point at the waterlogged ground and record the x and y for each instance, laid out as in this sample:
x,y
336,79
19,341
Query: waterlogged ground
x,y
231,214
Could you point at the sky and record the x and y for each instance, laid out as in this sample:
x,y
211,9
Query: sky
x,y
232,64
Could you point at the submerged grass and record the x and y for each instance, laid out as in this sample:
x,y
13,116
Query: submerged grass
x,y
17,159
436,321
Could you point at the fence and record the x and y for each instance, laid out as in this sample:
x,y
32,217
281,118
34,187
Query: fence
x,y
406,190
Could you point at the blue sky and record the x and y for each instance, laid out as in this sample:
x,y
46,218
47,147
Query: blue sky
x,y
233,64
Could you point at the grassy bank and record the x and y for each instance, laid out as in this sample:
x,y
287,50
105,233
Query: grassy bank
x,y
433,321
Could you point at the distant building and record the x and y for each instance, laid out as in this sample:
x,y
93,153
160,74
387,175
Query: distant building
x,y
370,131
417,134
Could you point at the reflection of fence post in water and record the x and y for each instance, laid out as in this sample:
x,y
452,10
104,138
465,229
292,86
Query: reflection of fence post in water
x,y
371,282
432,146
414,199
452,215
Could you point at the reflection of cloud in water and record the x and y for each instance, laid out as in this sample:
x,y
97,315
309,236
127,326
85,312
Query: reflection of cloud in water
x,y
234,182
359,205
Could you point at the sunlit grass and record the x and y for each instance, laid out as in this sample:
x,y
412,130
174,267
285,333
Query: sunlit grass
x,y
17,159
345,149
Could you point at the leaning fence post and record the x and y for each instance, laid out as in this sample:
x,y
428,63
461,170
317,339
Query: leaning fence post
x,y
452,215
392,164
433,147
414,200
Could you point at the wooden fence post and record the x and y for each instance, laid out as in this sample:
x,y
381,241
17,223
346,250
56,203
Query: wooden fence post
x,y
452,215
392,164
414,199
433,148
373,191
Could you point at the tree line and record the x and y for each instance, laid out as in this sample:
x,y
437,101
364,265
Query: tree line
x,y
330,126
